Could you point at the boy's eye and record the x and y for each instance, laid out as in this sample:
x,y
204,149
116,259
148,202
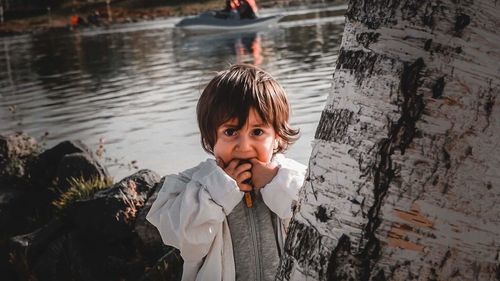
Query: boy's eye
x,y
258,132
230,132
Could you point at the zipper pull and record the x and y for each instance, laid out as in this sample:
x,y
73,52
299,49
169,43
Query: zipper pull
x,y
248,199
248,196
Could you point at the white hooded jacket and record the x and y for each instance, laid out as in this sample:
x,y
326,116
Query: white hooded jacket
x,y
191,208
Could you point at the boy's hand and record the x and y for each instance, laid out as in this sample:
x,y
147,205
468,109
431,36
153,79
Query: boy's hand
x,y
239,172
262,173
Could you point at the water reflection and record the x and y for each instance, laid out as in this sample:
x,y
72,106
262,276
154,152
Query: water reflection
x,y
136,90
216,50
7,64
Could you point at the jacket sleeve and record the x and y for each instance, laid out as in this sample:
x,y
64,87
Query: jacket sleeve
x,y
282,192
189,212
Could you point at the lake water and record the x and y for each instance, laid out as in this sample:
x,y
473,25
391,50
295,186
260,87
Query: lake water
x,y
130,91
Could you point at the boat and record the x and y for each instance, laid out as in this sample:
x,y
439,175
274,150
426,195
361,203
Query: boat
x,y
208,21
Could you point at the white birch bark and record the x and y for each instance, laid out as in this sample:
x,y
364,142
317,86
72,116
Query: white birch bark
x,y
404,175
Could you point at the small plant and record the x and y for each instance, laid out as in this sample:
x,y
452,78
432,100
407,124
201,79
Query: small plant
x,y
80,189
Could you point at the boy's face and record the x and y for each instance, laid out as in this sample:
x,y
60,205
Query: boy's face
x,y
254,140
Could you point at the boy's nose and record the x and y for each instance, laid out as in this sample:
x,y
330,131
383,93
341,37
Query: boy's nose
x,y
243,143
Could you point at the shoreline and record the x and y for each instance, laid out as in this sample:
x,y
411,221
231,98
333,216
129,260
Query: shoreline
x,y
122,12
60,20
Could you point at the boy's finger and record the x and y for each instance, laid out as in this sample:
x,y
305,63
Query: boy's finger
x,y
233,163
245,187
243,167
244,176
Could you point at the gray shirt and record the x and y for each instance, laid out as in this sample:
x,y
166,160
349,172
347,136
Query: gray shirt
x,y
255,243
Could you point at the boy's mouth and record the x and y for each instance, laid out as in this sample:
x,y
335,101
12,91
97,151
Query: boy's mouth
x,y
243,161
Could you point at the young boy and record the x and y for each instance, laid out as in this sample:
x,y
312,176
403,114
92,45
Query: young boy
x,y
228,216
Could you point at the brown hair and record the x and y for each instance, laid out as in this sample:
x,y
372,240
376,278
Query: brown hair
x,y
232,93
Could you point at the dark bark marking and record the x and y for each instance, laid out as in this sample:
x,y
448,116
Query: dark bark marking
x,y
333,125
446,158
354,201
341,265
311,179
320,179
427,45
440,48
445,189
468,151
476,269
356,61
436,180
284,269
456,273
367,38
361,63
433,275
372,14
301,243
488,106
322,215
437,89
498,267
424,10
447,255
461,22
498,271
382,13
380,276
412,106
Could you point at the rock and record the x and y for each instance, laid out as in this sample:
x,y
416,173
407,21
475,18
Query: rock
x,y
16,151
105,237
22,210
148,234
44,170
26,192
166,259
96,240
79,166
112,212
7,196
53,252
62,260
25,249
168,267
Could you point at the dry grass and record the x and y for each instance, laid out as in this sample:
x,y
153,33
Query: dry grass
x,y
80,189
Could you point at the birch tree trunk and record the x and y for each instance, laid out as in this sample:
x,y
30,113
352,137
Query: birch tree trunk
x,y
403,180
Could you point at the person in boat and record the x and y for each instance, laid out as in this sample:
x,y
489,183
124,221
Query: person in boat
x,y
240,9
228,216
77,21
